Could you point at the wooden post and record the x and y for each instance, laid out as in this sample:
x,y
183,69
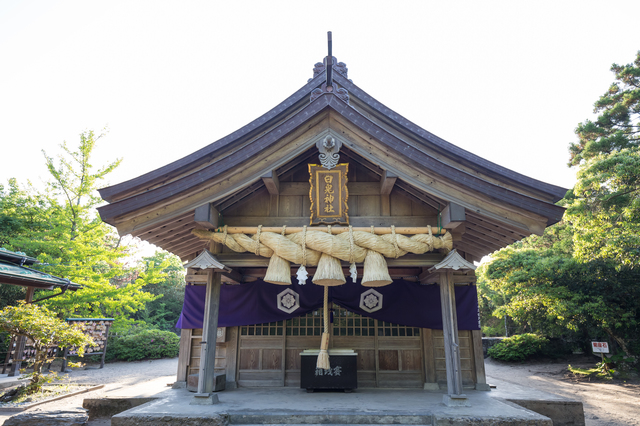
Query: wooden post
x,y
183,358
478,359
430,381
209,336
21,341
454,396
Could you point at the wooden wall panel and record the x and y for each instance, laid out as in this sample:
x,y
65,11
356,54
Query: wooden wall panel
x,y
366,359
272,359
411,360
388,360
368,205
466,358
291,205
400,205
249,359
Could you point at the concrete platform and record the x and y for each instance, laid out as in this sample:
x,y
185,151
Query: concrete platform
x,y
7,382
563,411
272,406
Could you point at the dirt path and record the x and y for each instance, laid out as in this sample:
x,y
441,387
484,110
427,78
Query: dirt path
x,y
116,377
605,404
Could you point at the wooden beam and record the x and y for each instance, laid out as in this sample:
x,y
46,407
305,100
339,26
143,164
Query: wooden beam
x,y
187,248
356,221
206,215
434,203
176,235
387,181
176,231
272,183
499,226
492,245
378,230
162,225
355,188
231,276
491,236
250,260
427,277
238,197
452,216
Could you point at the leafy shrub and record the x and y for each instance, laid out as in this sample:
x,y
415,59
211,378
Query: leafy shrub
x,y
518,347
141,344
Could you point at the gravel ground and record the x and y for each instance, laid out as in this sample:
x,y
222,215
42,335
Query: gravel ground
x,y
605,404
116,377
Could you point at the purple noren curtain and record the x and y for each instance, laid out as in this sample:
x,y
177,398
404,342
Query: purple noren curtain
x,y
403,302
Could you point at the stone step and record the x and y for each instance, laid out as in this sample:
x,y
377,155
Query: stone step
x,y
332,418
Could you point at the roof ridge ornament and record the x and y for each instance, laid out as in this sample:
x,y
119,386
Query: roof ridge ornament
x,y
329,148
328,67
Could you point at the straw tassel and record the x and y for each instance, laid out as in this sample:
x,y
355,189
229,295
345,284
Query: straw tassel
x,y
323,356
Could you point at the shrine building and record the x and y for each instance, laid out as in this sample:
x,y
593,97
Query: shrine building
x,y
333,225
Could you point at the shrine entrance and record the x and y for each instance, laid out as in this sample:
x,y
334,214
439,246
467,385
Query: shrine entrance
x,y
389,355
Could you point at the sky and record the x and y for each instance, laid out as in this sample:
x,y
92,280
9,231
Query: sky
x,y
506,80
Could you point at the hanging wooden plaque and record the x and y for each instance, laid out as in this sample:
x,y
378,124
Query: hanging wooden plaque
x,y
329,194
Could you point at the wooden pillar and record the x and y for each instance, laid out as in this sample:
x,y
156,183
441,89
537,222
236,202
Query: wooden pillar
x,y
451,342
478,359
20,342
430,381
183,357
209,334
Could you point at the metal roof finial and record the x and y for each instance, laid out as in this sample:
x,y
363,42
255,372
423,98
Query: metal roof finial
x,y
329,66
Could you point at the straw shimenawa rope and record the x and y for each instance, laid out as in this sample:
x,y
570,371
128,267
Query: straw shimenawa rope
x,y
316,243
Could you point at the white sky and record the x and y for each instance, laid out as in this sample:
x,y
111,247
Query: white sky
x,y
508,80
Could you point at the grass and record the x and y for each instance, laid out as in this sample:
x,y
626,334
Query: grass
x,y
600,371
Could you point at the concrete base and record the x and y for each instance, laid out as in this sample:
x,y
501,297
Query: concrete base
x,y
204,399
107,407
562,411
179,385
293,406
431,386
482,387
456,400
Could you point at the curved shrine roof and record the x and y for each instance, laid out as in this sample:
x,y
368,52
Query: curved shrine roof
x,y
502,205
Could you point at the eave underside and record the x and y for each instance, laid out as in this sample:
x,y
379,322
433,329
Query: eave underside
x,y
480,235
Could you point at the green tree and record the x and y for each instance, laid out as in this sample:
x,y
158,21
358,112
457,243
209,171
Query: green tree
x,y
604,206
45,331
163,312
584,275
556,294
61,228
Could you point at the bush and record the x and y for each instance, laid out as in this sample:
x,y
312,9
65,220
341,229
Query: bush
x,y
518,348
140,344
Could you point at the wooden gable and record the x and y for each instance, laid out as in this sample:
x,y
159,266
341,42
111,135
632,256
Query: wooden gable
x,y
399,174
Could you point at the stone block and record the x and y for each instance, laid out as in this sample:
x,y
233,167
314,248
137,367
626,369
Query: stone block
x,y
107,407
49,418
563,413
219,382
456,401
204,399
